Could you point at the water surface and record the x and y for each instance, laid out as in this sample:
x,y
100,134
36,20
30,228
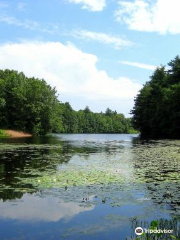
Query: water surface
x,y
86,186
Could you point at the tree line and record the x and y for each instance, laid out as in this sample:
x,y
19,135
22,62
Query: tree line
x,y
156,113
31,105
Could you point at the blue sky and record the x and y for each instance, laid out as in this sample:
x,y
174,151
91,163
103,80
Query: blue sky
x,y
96,52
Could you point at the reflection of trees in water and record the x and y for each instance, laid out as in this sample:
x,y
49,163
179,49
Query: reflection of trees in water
x,y
25,162
30,160
10,194
166,194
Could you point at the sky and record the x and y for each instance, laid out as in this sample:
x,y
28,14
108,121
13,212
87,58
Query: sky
x,y
97,53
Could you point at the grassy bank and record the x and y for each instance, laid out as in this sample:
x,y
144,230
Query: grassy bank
x,y
3,133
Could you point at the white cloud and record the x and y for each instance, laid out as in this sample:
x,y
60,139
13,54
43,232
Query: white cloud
x,y
160,16
28,24
73,72
31,208
91,5
140,65
21,6
14,21
3,5
104,38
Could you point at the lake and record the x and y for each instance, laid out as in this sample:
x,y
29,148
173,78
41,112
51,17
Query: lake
x,y
87,186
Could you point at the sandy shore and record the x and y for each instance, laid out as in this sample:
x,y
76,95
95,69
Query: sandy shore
x,y
17,134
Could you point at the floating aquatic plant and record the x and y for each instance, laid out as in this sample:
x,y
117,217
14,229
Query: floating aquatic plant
x,y
68,178
104,169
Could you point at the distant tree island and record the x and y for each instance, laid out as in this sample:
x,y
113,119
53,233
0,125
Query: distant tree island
x,y
156,113
31,105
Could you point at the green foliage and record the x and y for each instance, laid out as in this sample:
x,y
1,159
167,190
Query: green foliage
x,y
86,121
174,237
30,104
156,112
3,133
27,104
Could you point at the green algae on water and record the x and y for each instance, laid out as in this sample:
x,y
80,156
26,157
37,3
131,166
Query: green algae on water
x,y
68,178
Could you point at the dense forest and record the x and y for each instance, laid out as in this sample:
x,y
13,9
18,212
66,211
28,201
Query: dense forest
x,y
156,113
31,105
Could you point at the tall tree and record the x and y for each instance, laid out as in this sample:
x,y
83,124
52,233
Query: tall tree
x,y
156,113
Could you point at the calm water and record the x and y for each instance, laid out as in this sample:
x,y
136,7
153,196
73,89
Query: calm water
x,y
82,187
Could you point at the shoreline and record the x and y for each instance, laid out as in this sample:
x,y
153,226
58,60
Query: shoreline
x,y
17,134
